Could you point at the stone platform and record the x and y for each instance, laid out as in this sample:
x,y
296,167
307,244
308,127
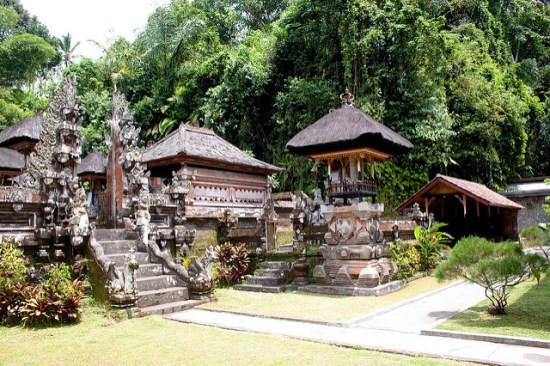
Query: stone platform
x,y
381,290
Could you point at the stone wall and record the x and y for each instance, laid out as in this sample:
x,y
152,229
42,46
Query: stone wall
x,y
532,213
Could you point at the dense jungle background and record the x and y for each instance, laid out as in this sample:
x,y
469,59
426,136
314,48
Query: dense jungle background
x,y
467,81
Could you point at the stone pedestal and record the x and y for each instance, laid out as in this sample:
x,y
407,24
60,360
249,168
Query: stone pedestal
x,y
355,252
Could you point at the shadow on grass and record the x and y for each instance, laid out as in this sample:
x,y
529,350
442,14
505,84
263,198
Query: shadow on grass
x,y
527,314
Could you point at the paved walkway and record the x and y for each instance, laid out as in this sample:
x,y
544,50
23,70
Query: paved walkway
x,y
400,333
427,311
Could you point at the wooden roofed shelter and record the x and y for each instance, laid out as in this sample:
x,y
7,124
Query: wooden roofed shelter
x,y
23,135
16,143
93,169
468,208
11,165
219,180
349,142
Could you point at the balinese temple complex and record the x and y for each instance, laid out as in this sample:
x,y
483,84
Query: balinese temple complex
x,y
350,142
135,208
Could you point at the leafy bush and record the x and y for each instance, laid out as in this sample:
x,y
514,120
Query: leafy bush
x,y
431,242
495,267
233,263
407,258
12,266
536,236
532,233
55,300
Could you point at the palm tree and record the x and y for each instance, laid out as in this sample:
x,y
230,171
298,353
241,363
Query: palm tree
x,y
67,48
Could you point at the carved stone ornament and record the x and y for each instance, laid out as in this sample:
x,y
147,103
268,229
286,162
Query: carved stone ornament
x,y
345,229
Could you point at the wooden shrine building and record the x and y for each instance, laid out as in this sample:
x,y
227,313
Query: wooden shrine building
x,y
11,166
349,142
468,208
216,181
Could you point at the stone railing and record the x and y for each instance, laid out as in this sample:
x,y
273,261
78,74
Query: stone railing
x,y
120,285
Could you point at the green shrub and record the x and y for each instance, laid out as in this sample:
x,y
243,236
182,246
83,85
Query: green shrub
x,y
407,258
55,300
532,233
13,270
233,263
431,242
496,267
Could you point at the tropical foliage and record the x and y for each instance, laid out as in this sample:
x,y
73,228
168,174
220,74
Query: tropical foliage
x,y
467,82
233,263
54,300
430,243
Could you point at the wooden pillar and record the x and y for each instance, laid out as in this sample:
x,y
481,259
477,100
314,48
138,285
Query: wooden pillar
x,y
426,205
464,204
477,208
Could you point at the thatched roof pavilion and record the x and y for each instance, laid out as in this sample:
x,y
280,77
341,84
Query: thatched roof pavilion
x,y
93,168
11,160
94,163
345,140
22,135
348,128
202,146
11,164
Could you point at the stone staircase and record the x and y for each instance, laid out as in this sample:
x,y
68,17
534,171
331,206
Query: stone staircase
x,y
158,293
271,277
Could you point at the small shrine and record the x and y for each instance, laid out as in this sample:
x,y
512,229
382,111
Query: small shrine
x,y
349,142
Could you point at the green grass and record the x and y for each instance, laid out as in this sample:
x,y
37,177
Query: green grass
x,y
98,341
527,314
285,235
299,305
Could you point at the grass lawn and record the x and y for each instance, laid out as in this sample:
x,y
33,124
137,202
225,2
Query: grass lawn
x,y
527,315
98,341
299,305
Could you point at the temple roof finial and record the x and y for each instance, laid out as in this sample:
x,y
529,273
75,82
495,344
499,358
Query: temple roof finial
x,y
347,98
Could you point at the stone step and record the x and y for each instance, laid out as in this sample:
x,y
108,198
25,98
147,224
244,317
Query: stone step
x,y
118,246
259,288
275,265
115,234
119,259
163,296
169,308
272,272
147,270
155,282
286,248
265,281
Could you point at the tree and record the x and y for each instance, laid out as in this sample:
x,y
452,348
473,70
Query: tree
x,y
497,267
67,48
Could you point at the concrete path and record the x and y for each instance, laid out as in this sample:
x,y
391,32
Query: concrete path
x,y
400,333
426,312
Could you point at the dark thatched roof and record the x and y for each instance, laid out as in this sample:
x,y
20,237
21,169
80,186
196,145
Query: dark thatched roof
x,y
347,128
11,159
27,129
93,163
203,145
475,191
